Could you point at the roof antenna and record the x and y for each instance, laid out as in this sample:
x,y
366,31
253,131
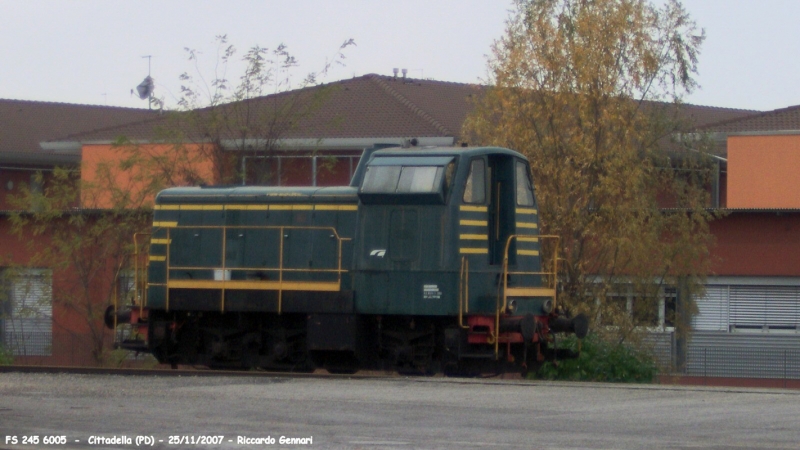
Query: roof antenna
x,y
146,87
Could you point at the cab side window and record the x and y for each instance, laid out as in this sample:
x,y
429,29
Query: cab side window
x,y
524,188
475,188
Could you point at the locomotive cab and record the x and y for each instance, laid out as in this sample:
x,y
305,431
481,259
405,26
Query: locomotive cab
x,y
447,249
424,213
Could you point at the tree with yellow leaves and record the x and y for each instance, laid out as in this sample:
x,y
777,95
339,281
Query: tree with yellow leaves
x,y
590,91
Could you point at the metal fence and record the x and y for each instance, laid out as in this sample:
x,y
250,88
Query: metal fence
x,y
64,349
662,347
28,342
707,355
729,355
743,362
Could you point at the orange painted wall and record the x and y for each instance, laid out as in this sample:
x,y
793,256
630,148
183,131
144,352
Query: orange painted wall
x,y
763,171
94,155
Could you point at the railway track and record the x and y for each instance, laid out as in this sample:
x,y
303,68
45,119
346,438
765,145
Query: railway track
x,y
508,380
186,372
318,374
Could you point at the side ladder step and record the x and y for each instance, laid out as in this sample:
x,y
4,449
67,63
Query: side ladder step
x,y
530,292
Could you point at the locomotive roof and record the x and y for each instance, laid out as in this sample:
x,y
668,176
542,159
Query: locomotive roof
x,y
445,151
258,194
339,194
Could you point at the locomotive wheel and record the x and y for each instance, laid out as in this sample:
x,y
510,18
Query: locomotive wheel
x,y
408,345
340,363
465,368
299,368
341,371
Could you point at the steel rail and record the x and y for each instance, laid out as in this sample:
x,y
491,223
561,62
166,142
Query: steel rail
x,y
189,372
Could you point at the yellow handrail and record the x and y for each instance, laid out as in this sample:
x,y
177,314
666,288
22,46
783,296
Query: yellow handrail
x,y
137,286
140,286
280,269
552,277
463,292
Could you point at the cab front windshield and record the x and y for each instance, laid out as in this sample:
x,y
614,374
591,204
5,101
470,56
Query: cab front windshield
x,y
402,179
407,180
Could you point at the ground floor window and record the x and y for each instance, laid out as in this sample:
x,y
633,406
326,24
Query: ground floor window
x,y
653,311
27,315
126,287
323,168
749,305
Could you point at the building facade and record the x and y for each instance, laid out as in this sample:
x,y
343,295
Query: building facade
x,y
748,321
753,293
34,326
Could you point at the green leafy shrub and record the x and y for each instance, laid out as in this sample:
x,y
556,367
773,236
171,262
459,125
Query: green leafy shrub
x,y
600,360
6,358
124,358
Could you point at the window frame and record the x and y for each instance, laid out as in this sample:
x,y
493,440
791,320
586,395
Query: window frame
x,y
469,180
519,164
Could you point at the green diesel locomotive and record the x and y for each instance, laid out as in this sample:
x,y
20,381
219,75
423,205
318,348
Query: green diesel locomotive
x,y
430,261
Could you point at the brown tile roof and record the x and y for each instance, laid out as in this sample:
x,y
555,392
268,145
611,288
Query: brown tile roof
x,y
24,124
701,116
374,106
448,103
370,106
367,106
784,119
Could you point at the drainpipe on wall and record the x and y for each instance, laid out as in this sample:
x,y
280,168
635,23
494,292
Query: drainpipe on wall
x,y
715,187
314,171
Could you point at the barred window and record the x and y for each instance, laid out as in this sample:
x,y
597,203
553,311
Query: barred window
x,y
27,319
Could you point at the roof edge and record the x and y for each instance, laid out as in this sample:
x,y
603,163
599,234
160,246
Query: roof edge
x,y
40,159
61,146
65,147
338,143
764,133
87,105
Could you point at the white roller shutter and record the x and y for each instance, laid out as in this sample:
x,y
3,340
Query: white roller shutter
x,y
712,310
754,307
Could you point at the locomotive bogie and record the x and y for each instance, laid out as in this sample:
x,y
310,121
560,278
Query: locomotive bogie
x,y
343,342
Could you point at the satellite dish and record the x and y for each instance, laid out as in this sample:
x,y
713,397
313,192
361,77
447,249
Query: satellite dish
x,y
145,88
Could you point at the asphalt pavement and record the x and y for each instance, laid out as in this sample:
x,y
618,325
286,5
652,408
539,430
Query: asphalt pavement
x,y
118,412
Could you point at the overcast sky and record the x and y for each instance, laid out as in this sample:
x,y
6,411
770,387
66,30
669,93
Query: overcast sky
x,y
90,51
